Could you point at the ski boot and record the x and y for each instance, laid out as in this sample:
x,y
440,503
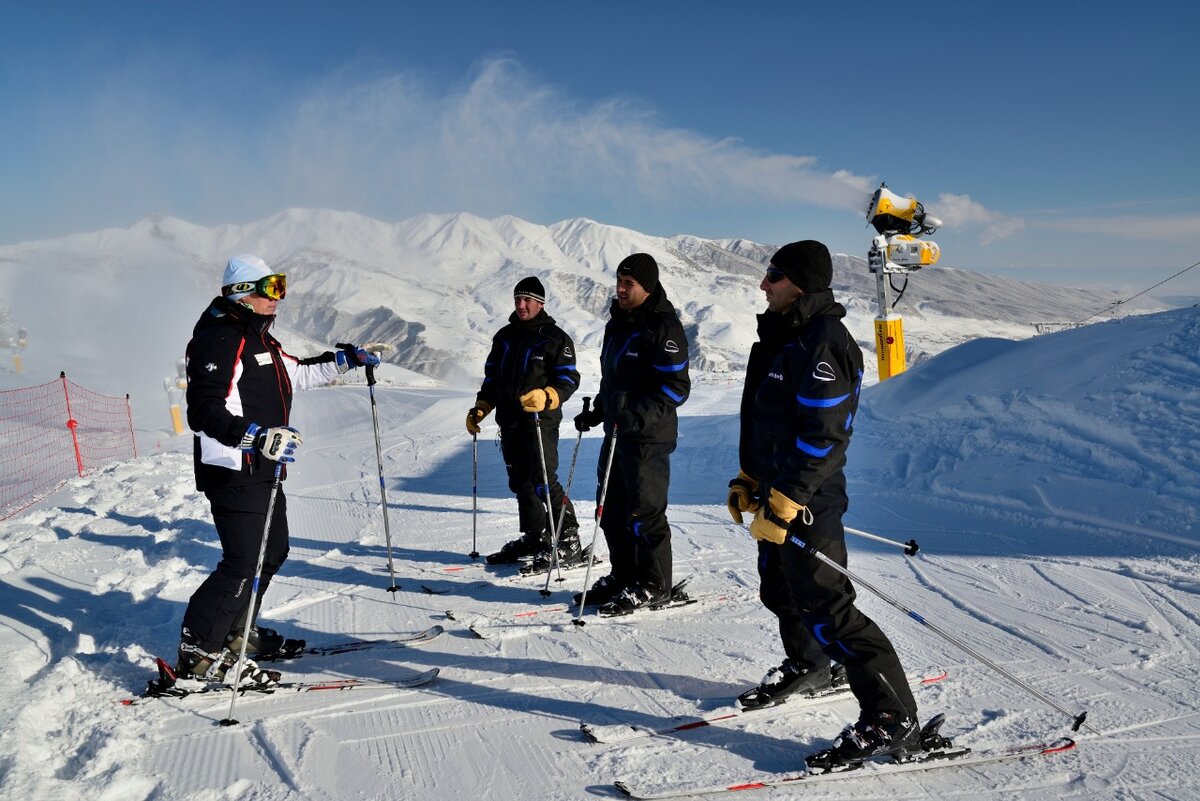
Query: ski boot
x,y
569,555
604,590
788,679
198,666
639,596
263,643
515,550
883,734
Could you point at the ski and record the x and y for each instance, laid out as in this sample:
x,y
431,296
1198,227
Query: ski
x,y
546,616
948,757
623,732
158,690
295,649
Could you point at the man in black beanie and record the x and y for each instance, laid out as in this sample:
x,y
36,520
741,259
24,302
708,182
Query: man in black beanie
x,y
798,405
531,368
643,380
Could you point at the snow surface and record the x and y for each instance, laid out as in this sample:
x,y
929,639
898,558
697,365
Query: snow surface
x,y
1053,484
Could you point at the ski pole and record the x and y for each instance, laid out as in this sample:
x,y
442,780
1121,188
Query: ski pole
x,y
562,510
474,494
537,425
612,447
379,347
262,555
1078,720
911,547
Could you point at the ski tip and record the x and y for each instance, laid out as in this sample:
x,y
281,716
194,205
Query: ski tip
x,y
934,678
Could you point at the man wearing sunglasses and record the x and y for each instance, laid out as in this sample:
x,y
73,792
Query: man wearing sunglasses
x,y
803,379
239,398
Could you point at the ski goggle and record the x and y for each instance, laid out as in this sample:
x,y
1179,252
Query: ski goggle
x,y
271,286
774,276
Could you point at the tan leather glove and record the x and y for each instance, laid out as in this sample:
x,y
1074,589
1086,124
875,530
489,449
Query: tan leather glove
x,y
741,496
474,417
772,521
540,400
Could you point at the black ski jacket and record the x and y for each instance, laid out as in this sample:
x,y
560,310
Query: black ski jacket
x,y
239,374
644,368
801,394
526,355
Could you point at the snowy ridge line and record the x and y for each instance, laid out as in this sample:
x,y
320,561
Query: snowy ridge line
x,y
607,734
951,757
288,687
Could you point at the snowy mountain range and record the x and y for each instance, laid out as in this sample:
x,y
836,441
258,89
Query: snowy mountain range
x,y
439,286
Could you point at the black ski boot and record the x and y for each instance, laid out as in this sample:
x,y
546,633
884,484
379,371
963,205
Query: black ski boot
x,y
569,555
604,590
263,643
644,596
883,734
788,679
515,550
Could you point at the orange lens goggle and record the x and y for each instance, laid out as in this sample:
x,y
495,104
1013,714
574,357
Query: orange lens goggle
x,y
271,286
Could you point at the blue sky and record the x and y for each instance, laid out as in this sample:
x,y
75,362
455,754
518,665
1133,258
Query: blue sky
x,y
1057,140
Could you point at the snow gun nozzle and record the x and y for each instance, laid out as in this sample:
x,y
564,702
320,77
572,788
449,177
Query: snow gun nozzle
x,y
911,548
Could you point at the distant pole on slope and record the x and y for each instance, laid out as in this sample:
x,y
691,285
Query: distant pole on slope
x,y
896,250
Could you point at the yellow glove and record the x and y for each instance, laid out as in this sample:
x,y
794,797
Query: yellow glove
x,y
540,400
771,523
741,496
475,416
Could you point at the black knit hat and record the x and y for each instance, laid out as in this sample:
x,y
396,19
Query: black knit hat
x,y
641,267
530,287
806,264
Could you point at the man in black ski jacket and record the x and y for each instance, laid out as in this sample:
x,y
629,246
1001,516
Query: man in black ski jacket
x,y
529,374
643,381
239,399
801,393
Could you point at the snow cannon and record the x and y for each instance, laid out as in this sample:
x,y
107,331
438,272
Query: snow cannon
x,y
896,250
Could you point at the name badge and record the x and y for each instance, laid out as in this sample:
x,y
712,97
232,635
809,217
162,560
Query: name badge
x,y
263,359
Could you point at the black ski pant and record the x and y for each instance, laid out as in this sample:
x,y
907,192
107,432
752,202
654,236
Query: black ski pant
x,y
635,512
239,514
818,620
524,462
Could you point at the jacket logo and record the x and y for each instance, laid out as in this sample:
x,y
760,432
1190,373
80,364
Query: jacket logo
x,y
539,358
823,372
263,359
670,347
776,376
210,367
631,354
567,351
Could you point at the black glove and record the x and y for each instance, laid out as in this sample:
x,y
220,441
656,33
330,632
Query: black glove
x,y
586,420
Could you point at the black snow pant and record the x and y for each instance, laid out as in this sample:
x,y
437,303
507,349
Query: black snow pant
x,y
635,512
239,514
818,620
524,462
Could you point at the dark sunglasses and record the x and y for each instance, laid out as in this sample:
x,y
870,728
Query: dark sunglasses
x,y
774,276
271,286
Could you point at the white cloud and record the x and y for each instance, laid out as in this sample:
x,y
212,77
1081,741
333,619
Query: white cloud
x,y
961,211
506,143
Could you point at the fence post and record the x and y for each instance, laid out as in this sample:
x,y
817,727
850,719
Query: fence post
x,y
132,438
72,424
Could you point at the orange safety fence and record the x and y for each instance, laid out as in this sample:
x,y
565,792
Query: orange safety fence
x,y
54,432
